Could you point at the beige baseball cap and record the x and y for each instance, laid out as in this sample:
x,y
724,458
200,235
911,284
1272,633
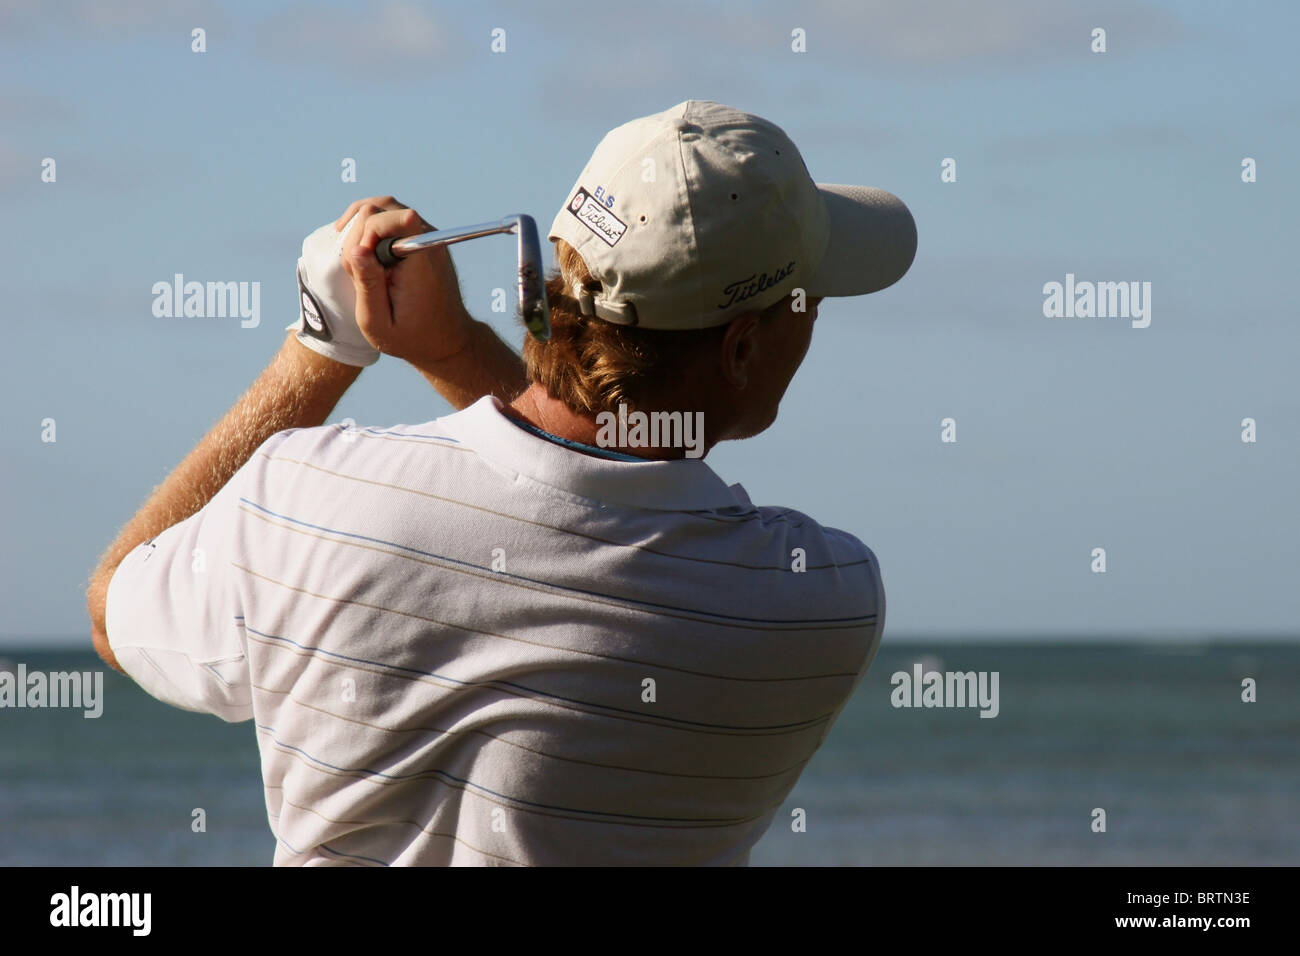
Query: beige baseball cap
x,y
694,215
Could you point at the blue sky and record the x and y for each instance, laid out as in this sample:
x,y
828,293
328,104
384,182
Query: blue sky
x,y
1071,433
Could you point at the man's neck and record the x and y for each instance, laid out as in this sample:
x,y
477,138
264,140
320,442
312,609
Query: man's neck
x,y
538,409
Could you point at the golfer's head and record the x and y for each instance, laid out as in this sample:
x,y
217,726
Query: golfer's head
x,y
736,372
695,243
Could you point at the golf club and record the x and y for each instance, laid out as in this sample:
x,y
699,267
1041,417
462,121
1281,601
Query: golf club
x,y
532,287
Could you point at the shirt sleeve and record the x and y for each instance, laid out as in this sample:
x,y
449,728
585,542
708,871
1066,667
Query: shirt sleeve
x,y
174,618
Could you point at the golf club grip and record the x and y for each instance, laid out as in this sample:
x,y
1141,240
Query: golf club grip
x,y
384,252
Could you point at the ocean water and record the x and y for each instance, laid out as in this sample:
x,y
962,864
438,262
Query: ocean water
x,y
1156,735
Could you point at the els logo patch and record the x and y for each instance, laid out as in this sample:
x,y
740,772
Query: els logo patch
x,y
593,214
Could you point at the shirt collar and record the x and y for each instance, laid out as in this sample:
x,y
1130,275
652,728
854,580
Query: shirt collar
x,y
684,484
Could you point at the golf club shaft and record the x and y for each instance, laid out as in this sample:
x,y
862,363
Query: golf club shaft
x,y
390,250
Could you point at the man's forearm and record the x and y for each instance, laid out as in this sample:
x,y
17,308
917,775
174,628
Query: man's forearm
x,y
298,389
485,366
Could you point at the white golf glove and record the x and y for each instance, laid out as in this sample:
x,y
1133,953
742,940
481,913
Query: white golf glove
x,y
327,319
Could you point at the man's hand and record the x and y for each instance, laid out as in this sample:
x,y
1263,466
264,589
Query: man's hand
x,y
412,310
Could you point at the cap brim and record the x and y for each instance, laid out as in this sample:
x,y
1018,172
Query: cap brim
x,y
872,242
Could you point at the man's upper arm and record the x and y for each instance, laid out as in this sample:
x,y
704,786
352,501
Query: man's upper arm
x,y
174,618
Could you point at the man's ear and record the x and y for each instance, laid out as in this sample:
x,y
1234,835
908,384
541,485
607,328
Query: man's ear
x,y
740,349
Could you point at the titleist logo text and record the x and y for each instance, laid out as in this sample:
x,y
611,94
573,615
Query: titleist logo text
x,y
752,285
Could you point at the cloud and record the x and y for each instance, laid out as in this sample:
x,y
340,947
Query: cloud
x,y
16,167
368,33
26,21
140,171
931,33
603,61
390,33
1060,145
33,107
865,33
1289,113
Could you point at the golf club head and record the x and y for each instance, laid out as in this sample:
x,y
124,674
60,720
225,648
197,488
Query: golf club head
x,y
532,282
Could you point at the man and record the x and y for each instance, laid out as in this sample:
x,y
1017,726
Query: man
x,y
531,633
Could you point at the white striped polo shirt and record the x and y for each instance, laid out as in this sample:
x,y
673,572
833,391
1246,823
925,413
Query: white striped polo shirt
x,y
461,643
